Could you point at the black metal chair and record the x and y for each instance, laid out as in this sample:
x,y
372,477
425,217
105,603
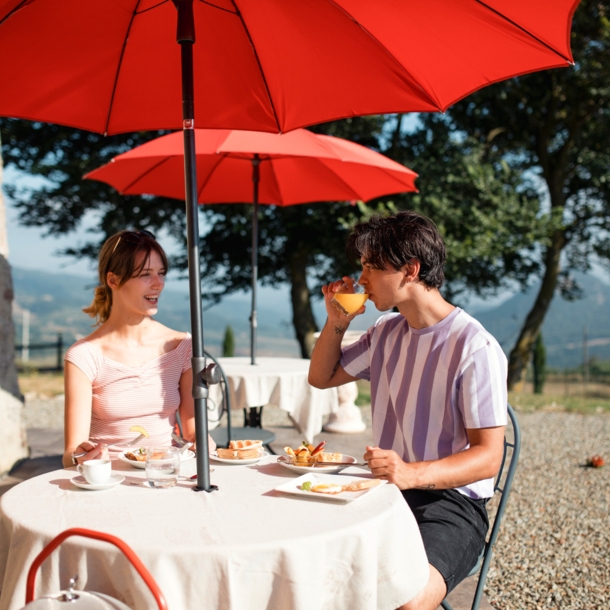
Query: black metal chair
x,y
252,419
485,558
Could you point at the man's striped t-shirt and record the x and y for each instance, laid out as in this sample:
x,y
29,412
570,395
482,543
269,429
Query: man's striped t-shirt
x,y
429,385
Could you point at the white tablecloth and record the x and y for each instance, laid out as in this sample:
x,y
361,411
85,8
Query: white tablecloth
x,y
281,382
244,546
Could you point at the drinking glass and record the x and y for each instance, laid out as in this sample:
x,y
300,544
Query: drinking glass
x,y
349,298
162,466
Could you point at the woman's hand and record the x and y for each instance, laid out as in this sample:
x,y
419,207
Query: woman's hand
x,y
91,452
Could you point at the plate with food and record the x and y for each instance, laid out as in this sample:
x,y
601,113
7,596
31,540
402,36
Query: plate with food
x,y
334,487
137,457
307,458
240,453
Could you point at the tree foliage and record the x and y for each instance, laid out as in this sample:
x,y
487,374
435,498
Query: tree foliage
x,y
556,125
485,209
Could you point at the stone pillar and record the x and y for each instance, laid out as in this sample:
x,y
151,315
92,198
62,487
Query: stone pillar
x,y
348,418
13,444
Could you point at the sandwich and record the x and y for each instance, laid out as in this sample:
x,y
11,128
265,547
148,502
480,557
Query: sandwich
x,y
240,450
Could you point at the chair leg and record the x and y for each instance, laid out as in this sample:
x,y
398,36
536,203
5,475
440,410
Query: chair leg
x,y
446,605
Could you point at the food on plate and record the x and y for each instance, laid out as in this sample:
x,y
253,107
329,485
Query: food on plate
x,y
137,455
241,450
139,430
334,488
307,454
245,444
363,484
326,488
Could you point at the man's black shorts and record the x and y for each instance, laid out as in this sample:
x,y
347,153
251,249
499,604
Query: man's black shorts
x,y
453,528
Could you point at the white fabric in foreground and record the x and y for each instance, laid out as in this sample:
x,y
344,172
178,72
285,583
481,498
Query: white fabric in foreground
x,y
244,546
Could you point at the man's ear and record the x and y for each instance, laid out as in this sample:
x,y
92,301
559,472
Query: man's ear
x,y
411,271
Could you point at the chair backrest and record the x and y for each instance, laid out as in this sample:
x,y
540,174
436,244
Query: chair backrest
x,y
502,486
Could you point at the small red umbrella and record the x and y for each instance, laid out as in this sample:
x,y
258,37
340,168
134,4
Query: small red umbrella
x,y
251,166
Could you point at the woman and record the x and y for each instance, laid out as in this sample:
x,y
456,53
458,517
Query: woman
x,y
132,370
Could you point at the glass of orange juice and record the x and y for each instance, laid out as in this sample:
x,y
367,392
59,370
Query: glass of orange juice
x,y
349,299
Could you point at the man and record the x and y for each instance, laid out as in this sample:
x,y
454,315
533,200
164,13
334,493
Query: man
x,y
438,392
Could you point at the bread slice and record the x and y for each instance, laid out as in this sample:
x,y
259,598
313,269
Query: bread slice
x,y
237,454
360,485
248,444
328,457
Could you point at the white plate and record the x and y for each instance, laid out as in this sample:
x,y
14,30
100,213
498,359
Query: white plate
x,y
285,461
263,454
189,455
114,479
294,487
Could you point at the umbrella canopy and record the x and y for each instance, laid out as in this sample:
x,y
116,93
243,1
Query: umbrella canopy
x,y
297,167
256,167
112,66
267,65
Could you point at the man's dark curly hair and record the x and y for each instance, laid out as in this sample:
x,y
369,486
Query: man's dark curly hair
x,y
397,240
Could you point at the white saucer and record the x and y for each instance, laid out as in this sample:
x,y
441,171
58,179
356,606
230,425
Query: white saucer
x,y
81,482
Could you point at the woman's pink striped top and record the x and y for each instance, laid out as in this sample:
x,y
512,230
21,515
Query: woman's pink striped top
x,y
125,396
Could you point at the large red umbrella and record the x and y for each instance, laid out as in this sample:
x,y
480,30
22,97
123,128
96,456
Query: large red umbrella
x,y
112,66
256,167
268,65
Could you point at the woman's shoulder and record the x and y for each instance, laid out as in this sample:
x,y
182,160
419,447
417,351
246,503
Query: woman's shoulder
x,y
176,340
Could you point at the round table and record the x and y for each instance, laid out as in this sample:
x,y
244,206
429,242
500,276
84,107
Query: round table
x,y
243,546
281,382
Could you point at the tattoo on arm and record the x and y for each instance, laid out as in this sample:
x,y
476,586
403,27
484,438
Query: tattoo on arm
x,y
339,330
336,366
429,486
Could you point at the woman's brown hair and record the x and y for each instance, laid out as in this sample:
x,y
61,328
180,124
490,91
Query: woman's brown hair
x,y
119,255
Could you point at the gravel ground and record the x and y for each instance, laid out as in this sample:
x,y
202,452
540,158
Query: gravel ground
x,y
553,547
553,551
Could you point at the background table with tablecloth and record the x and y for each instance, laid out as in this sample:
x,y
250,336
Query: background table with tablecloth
x,y
281,382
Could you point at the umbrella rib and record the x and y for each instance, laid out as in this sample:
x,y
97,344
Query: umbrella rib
x,y
150,8
260,67
13,11
221,156
431,98
220,8
277,182
118,70
514,23
151,169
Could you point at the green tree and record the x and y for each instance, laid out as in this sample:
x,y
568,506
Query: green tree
x,y
539,365
482,206
556,126
228,343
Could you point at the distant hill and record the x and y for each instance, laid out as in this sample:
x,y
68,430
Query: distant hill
x,y
564,325
56,301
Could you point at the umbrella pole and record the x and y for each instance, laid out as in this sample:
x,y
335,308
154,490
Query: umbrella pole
x,y
202,376
253,316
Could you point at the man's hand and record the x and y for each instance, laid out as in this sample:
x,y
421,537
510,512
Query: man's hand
x,y
387,464
337,318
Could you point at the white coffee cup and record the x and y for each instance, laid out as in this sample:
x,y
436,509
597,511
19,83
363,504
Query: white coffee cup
x,y
96,472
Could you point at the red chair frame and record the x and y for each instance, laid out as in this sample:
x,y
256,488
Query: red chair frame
x,y
79,531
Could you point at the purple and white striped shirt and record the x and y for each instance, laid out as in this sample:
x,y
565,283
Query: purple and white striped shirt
x,y
429,385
